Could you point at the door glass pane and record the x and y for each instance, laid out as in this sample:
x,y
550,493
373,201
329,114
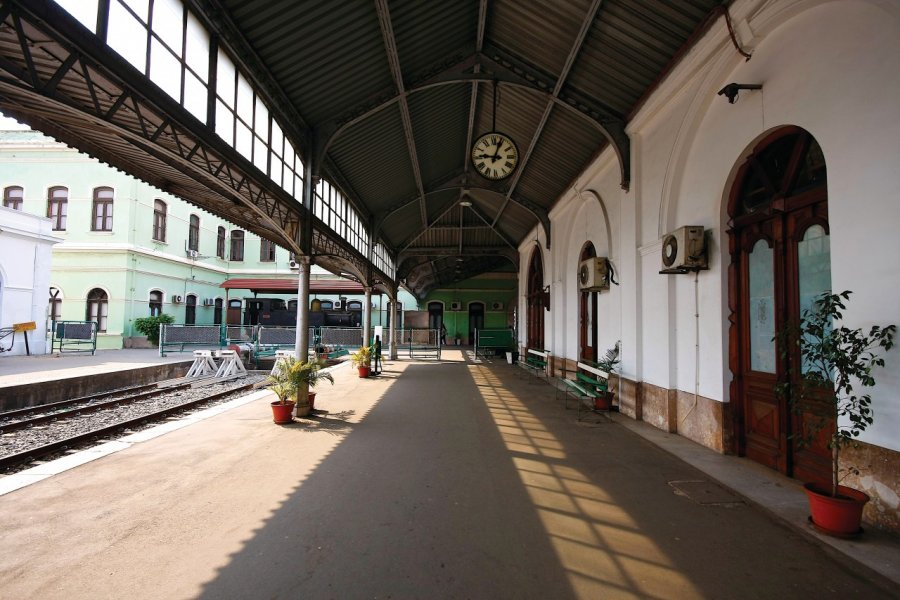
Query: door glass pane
x,y
813,267
762,308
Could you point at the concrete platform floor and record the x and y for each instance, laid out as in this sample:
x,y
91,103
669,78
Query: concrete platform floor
x,y
435,480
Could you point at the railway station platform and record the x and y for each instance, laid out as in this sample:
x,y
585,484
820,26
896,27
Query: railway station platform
x,y
439,479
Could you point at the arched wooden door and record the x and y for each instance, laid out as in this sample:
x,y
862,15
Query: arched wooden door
x,y
537,300
780,260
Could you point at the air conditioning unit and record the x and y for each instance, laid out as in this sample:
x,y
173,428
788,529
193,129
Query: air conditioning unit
x,y
209,302
496,306
192,253
176,299
293,264
456,306
593,274
684,250
338,305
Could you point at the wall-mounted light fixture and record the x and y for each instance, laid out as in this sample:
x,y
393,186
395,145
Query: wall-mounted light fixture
x,y
731,90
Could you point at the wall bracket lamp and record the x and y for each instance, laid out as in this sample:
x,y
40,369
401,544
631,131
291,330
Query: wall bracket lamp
x,y
731,90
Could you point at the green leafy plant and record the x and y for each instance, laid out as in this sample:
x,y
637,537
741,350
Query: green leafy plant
x,y
610,361
833,361
362,357
292,374
150,326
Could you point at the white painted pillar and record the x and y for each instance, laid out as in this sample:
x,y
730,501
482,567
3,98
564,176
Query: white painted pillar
x,y
367,317
392,308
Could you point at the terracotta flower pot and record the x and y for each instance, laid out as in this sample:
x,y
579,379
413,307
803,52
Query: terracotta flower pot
x,y
282,413
839,516
364,371
603,401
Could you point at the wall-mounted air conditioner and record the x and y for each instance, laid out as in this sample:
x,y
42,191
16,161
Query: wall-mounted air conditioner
x,y
496,306
684,250
176,299
192,253
293,264
456,306
593,274
338,305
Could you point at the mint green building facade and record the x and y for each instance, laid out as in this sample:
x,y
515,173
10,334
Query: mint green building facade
x,y
129,249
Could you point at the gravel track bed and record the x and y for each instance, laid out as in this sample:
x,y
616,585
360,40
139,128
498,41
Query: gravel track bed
x,y
22,440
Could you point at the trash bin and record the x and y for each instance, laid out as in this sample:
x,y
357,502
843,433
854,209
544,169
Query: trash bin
x,y
509,357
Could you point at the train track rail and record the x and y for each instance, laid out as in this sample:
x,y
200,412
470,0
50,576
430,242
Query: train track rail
x,y
70,408
22,413
33,453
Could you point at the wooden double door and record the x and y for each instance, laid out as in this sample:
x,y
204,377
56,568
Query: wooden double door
x,y
780,262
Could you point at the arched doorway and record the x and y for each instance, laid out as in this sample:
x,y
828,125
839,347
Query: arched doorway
x,y
780,260
587,314
537,300
435,315
476,319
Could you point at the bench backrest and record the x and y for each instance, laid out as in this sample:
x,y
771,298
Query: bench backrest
x,y
541,353
599,374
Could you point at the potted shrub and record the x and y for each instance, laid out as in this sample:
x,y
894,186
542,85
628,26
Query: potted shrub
x,y
362,358
149,326
309,373
288,379
834,360
609,363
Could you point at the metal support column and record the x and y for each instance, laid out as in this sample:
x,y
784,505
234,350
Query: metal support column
x,y
392,311
367,317
301,350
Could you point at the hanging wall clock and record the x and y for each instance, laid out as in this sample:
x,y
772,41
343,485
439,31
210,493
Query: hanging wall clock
x,y
495,156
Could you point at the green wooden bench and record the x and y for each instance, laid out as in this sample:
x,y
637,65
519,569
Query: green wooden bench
x,y
589,384
536,362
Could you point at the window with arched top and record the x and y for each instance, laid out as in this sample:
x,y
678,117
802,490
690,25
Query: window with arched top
x,y
237,245
102,209
266,251
13,197
97,308
587,314
220,243
58,206
190,309
217,312
159,220
194,233
537,299
156,302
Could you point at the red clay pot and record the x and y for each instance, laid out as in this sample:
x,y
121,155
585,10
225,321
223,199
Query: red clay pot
x,y
364,372
840,516
283,413
603,401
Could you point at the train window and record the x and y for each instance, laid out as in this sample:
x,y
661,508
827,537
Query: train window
x,y
354,305
276,304
327,305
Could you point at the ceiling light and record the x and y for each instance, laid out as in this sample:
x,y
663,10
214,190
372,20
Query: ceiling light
x,y
465,203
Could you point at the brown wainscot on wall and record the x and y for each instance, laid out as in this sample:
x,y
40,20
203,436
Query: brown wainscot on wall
x,y
879,477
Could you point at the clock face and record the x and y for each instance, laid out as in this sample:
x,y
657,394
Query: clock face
x,y
495,156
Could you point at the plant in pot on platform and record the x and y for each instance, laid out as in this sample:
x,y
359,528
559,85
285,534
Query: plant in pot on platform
x,y
282,385
830,362
362,358
309,373
609,363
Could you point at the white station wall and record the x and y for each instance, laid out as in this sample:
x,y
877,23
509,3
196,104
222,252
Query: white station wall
x,y
827,66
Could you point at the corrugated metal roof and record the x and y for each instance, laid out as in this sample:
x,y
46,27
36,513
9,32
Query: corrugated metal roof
x,y
387,87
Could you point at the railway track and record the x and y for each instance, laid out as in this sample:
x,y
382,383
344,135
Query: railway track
x,y
49,425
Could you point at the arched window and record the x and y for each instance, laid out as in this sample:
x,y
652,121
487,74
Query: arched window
x,y
266,251
58,207
102,210
12,197
97,308
220,243
156,302
194,233
190,310
237,245
327,305
217,312
159,221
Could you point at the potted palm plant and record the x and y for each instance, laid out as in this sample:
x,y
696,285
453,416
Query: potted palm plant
x,y
309,373
289,377
609,363
832,360
362,359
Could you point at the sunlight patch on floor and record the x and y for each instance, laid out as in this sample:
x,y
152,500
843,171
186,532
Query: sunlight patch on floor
x,y
597,541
